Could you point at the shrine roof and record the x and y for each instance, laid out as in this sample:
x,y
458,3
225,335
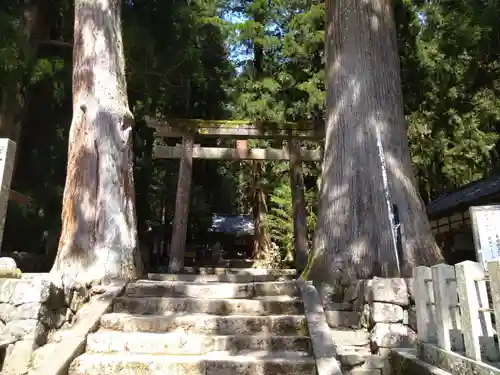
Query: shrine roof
x,y
233,224
475,193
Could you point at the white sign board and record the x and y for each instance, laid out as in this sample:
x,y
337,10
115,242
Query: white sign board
x,y
485,222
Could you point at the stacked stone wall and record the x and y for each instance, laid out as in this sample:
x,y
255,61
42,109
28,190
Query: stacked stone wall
x,y
32,308
380,315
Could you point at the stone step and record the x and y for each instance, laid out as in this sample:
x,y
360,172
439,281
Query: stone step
x,y
251,363
178,343
257,306
350,356
365,371
239,271
350,337
236,263
150,288
337,318
207,324
222,278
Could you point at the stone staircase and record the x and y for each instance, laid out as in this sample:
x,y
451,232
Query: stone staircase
x,y
206,321
348,327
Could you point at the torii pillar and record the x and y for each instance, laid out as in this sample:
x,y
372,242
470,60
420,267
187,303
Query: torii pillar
x,y
182,198
301,244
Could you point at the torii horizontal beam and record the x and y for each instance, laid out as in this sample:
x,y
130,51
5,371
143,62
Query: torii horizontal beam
x,y
237,129
225,153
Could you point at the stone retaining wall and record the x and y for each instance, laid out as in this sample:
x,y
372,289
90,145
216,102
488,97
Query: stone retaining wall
x,y
381,311
31,309
391,315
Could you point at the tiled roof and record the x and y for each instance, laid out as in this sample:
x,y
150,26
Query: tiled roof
x,y
465,197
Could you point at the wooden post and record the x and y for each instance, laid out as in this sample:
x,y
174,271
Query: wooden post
x,y
179,228
299,206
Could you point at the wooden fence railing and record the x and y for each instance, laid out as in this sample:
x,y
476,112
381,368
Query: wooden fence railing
x,y
457,307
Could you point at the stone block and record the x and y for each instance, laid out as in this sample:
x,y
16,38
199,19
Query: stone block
x,y
7,263
391,290
6,311
18,358
392,335
350,357
8,268
19,291
349,337
27,329
382,312
30,310
375,362
343,318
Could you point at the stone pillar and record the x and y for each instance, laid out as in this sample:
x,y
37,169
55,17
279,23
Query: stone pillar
x,y
7,158
299,206
179,228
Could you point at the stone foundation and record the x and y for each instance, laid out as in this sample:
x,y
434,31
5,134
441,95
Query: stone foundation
x,y
31,309
380,310
390,314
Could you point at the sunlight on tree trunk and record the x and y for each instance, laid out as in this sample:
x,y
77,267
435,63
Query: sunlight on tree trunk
x,y
99,230
367,176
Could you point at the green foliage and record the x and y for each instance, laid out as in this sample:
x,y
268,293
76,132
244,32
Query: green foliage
x,y
451,91
279,220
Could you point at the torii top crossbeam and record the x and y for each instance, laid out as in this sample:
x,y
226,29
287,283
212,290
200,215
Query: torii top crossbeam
x,y
237,129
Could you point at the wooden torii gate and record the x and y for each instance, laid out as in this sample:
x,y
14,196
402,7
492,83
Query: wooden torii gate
x,y
189,129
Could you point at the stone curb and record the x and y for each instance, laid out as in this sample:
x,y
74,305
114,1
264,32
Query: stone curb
x,y
55,358
453,362
321,339
406,362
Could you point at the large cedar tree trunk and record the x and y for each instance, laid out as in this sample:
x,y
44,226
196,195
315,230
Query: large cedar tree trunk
x,y
367,174
99,230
